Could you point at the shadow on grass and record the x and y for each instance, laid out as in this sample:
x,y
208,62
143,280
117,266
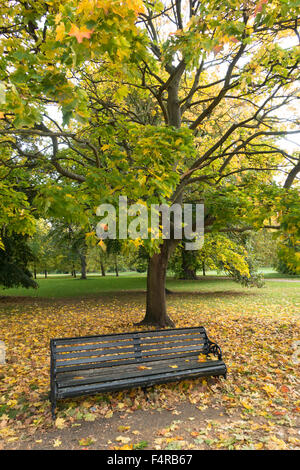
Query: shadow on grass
x,y
121,295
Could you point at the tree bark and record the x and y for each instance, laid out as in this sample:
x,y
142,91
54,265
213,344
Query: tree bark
x,y
83,266
102,268
156,310
116,266
73,270
101,265
188,272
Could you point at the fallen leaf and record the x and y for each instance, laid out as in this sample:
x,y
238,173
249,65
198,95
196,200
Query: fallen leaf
x,y
57,442
123,439
60,423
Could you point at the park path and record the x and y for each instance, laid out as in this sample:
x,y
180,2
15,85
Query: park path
x,y
283,280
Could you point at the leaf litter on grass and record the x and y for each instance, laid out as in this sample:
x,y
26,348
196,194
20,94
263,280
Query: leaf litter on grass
x,y
262,387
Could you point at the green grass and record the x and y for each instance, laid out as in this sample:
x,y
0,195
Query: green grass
x,y
211,289
268,273
60,287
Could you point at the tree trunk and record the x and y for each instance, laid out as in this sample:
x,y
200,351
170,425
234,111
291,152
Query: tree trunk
x,y
34,272
188,274
101,265
203,268
83,266
188,271
102,268
46,274
156,310
116,266
73,271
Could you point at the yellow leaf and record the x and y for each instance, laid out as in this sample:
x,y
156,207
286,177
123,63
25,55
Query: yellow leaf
x,y
123,428
136,5
246,405
270,389
109,414
60,423
102,245
202,358
60,32
125,447
174,367
105,147
57,443
58,18
259,446
123,439
90,234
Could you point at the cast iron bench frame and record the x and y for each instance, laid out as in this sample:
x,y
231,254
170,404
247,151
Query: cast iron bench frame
x,y
105,363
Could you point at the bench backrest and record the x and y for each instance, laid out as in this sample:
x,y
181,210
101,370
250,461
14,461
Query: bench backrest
x,y
90,352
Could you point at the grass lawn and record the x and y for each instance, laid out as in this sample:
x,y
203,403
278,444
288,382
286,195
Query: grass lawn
x,y
57,287
257,407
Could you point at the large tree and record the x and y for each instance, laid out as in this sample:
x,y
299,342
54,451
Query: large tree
x,y
169,101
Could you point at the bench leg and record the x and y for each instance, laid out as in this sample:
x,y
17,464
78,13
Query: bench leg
x,y
53,406
145,392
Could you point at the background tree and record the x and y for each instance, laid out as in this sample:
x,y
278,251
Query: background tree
x,y
221,253
16,224
14,260
262,246
288,252
72,240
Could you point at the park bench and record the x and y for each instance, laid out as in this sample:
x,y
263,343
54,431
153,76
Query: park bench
x,y
105,363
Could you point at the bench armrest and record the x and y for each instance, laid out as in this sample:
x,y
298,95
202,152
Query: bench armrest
x,y
214,348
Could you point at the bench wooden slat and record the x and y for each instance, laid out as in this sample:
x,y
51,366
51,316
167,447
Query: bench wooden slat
x,y
97,359
118,354
121,343
95,352
112,363
91,339
163,346
144,348
140,381
170,332
172,339
94,345
120,336
171,352
133,372
87,372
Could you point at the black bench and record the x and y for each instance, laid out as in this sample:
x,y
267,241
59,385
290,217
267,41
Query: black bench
x,y
105,363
